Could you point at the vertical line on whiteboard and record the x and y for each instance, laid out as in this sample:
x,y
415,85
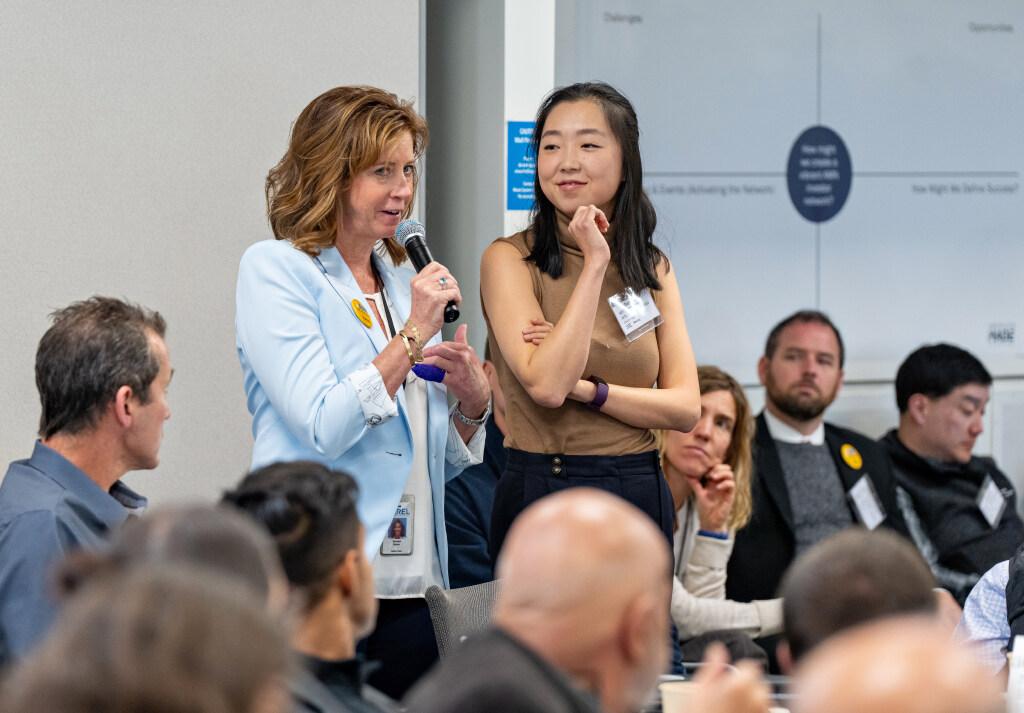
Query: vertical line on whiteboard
x,y
817,266
819,68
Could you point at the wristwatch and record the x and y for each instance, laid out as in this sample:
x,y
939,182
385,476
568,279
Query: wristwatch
x,y
472,421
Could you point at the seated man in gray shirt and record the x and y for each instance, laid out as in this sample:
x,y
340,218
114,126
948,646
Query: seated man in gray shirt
x,y
811,479
102,371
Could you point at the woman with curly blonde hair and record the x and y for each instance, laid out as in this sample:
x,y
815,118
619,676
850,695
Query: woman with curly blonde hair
x,y
709,472
330,321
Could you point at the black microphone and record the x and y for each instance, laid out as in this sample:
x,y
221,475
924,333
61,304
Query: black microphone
x,y
412,236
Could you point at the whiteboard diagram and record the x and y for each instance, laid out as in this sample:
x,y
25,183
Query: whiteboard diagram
x,y
863,158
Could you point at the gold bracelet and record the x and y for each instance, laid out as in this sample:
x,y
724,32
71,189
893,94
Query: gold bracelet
x,y
415,336
412,350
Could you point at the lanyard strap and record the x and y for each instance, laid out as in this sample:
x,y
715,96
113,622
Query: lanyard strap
x,y
383,296
384,299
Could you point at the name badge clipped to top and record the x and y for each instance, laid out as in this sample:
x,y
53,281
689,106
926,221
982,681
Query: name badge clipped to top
x,y
991,501
865,503
636,312
398,539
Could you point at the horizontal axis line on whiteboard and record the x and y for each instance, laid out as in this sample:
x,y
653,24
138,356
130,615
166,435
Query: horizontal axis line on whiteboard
x,y
936,174
716,174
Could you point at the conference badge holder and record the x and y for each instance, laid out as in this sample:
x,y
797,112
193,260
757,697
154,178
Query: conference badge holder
x,y
636,312
991,502
866,503
398,538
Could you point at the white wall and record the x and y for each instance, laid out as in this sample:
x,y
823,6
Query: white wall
x,y
135,138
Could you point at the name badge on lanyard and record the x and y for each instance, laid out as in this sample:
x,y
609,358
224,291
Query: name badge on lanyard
x,y
398,539
991,502
866,504
636,312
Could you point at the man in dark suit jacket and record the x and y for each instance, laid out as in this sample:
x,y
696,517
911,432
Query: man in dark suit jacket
x,y
580,618
811,479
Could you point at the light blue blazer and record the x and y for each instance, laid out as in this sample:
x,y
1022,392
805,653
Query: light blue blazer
x,y
298,339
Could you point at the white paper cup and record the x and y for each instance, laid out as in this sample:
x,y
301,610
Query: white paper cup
x,y
676,696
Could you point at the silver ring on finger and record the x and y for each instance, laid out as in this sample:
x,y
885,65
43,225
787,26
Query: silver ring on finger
x,y
442,281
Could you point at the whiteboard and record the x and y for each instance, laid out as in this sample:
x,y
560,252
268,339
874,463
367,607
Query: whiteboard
x,y
928,99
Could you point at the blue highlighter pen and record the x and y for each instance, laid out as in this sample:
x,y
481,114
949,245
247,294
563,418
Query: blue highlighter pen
x,y
429,372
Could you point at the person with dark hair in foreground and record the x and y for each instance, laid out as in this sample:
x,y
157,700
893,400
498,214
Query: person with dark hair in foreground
x,y
102,371
851,578
310,512
811,479
960,508
580,619
905,664
172,639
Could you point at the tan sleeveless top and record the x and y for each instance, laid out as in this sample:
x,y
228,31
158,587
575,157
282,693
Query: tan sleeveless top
x,y
573,428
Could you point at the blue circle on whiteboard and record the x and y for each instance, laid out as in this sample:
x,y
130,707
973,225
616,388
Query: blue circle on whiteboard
x,y
819,173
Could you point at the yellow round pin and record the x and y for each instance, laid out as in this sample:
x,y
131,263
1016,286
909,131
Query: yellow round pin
x,y
852,456
362,314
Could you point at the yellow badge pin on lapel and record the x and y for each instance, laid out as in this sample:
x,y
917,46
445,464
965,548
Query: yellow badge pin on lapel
x,y
362,314
851,456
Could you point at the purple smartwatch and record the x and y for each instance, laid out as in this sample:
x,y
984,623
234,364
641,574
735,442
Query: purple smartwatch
x,y
602,392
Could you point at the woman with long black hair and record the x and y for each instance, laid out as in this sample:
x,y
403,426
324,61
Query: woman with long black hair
x,y
583,402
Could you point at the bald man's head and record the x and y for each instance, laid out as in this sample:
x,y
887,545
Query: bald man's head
x,y
585,582
906,664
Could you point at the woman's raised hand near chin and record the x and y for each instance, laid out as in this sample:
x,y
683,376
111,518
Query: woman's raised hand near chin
x,y
715,493
588,226
429,298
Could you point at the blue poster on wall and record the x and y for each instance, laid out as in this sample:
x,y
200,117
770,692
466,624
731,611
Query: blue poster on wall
x,y
521,165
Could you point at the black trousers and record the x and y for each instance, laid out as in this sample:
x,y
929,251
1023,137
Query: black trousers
x,y
402,645
528,477
636,478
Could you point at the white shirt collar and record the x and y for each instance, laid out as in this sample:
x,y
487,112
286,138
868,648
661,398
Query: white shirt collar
x,y
787,434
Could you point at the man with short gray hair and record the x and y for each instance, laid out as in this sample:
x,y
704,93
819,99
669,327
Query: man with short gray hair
x,y
102,371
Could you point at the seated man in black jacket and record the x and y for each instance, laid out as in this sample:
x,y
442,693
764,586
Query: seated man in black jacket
x,y
960,509
811,479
